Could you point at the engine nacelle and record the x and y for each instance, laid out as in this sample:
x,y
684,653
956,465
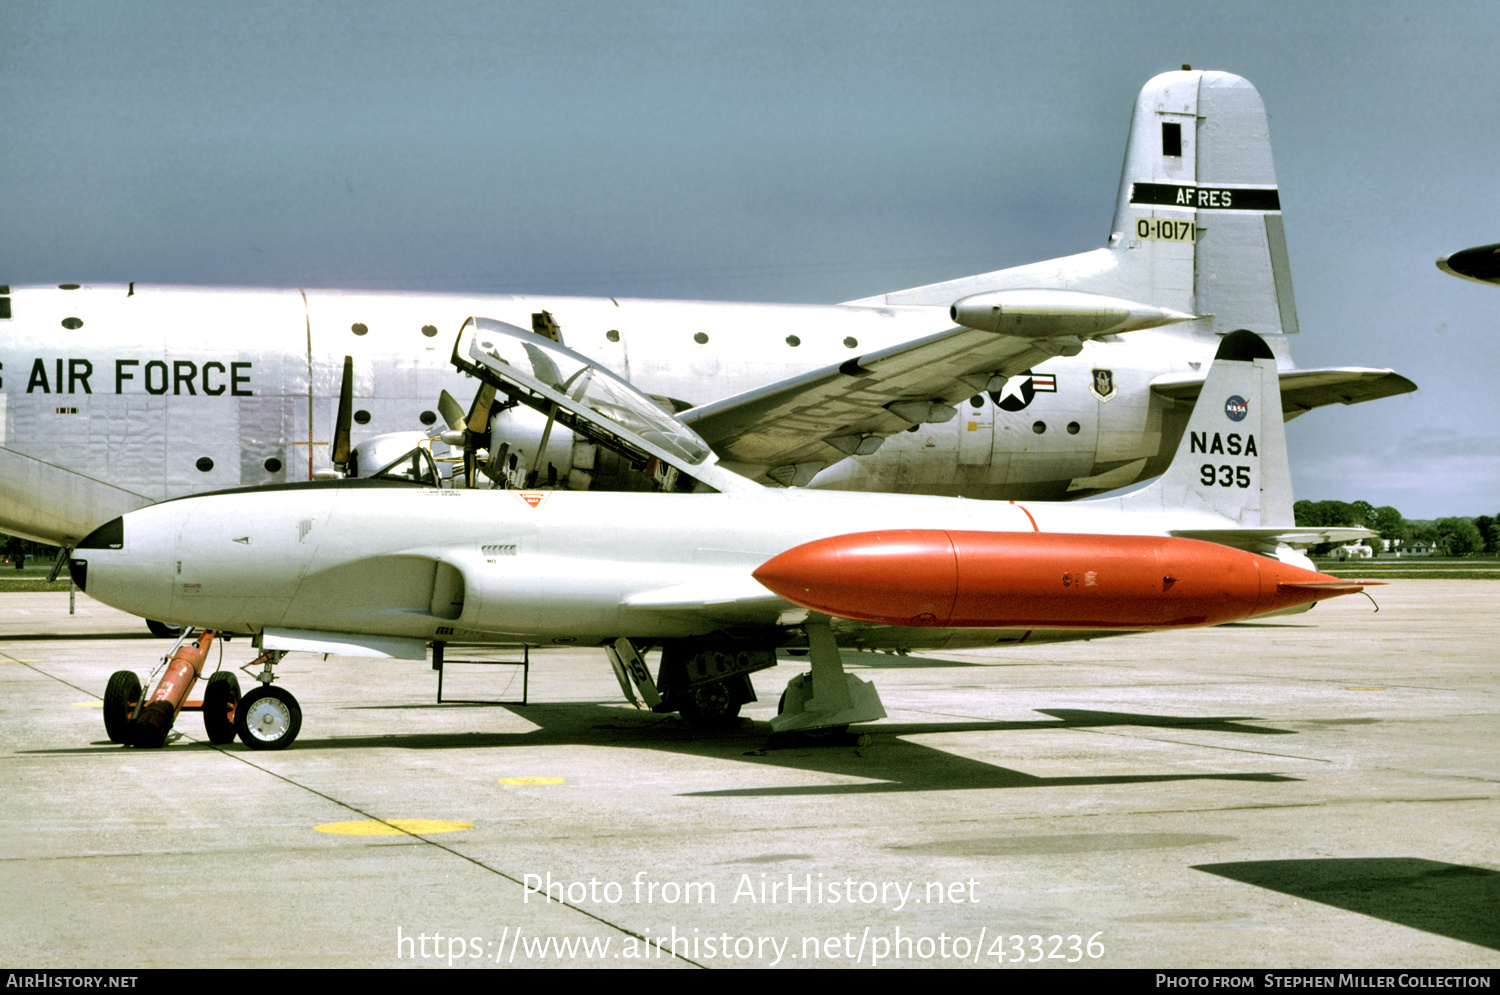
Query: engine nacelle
x,y
1040,314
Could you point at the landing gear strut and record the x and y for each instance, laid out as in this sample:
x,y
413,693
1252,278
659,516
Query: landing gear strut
x,y
827,698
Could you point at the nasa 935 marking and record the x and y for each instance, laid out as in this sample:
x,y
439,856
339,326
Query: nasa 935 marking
x,y
1224,475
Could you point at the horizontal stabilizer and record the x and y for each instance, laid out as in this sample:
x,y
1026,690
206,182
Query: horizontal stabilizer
x,y
1303,390
1259,539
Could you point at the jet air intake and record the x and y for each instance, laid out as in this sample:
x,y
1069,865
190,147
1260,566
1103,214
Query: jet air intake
x,y
1042,313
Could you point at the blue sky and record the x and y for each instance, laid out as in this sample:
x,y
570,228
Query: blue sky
x,y
780,152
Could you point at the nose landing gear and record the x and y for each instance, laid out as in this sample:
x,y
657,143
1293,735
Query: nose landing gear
x,y
269,717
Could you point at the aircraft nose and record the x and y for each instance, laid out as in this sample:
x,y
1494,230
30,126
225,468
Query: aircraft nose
x,y
110,535
135,577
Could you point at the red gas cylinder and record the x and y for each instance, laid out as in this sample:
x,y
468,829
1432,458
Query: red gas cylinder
x,y
155,720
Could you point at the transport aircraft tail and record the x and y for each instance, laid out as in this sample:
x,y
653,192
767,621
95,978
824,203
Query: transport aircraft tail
x,y
1197,224
1231,467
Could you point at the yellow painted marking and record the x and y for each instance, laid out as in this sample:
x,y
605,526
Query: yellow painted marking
x,y
393,827
1364,689
531,780
88,704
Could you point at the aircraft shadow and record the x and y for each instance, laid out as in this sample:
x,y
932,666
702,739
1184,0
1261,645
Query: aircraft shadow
x,y
1452,900
890,763
1228,723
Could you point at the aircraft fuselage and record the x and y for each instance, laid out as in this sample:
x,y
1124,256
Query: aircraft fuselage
x,y
114,397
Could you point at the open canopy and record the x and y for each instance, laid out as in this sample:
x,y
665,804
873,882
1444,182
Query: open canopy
x,y
581,395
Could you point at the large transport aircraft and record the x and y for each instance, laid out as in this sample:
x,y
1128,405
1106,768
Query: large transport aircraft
x,y
671,549
114,397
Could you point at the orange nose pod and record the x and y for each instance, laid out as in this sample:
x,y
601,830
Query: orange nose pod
x,y
1037,580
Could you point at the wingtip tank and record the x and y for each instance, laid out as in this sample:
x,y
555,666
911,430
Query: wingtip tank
x,y
934,577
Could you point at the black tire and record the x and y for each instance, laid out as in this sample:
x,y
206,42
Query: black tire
x,y
162,630
268,718
220,702
711,706
121,695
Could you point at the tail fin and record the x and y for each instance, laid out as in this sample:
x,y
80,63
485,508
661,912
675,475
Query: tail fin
x,y
1197,224
1232,462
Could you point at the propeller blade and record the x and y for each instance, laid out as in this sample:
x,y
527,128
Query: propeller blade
x,y
452,411
345,416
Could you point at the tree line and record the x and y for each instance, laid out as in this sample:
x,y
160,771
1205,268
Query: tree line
x,y
1452,536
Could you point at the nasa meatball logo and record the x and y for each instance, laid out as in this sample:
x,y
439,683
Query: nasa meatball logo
x,y
1236,408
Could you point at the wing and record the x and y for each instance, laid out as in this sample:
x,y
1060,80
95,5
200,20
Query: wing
x,y
1303,390
789,430
1265,540
731,598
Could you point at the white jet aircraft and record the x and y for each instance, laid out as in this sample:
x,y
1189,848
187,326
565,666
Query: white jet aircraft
x,y
114,397
716,569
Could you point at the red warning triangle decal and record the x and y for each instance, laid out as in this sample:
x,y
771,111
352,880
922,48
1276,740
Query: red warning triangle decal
x,y
532,498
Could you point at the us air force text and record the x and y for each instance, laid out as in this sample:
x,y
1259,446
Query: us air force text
x,y
134,376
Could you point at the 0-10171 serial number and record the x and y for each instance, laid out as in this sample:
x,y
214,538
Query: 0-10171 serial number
x,y
1166,230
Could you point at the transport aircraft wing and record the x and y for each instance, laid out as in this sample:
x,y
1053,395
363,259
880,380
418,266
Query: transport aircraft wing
x,y
1303,390
787,431
1265,540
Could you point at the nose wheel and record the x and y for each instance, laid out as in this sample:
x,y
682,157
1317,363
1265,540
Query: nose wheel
x,y
268,718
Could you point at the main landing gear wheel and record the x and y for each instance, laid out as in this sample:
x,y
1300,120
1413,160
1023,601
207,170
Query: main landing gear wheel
x,y
711,706
220,701
121,695
268,718
162,630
